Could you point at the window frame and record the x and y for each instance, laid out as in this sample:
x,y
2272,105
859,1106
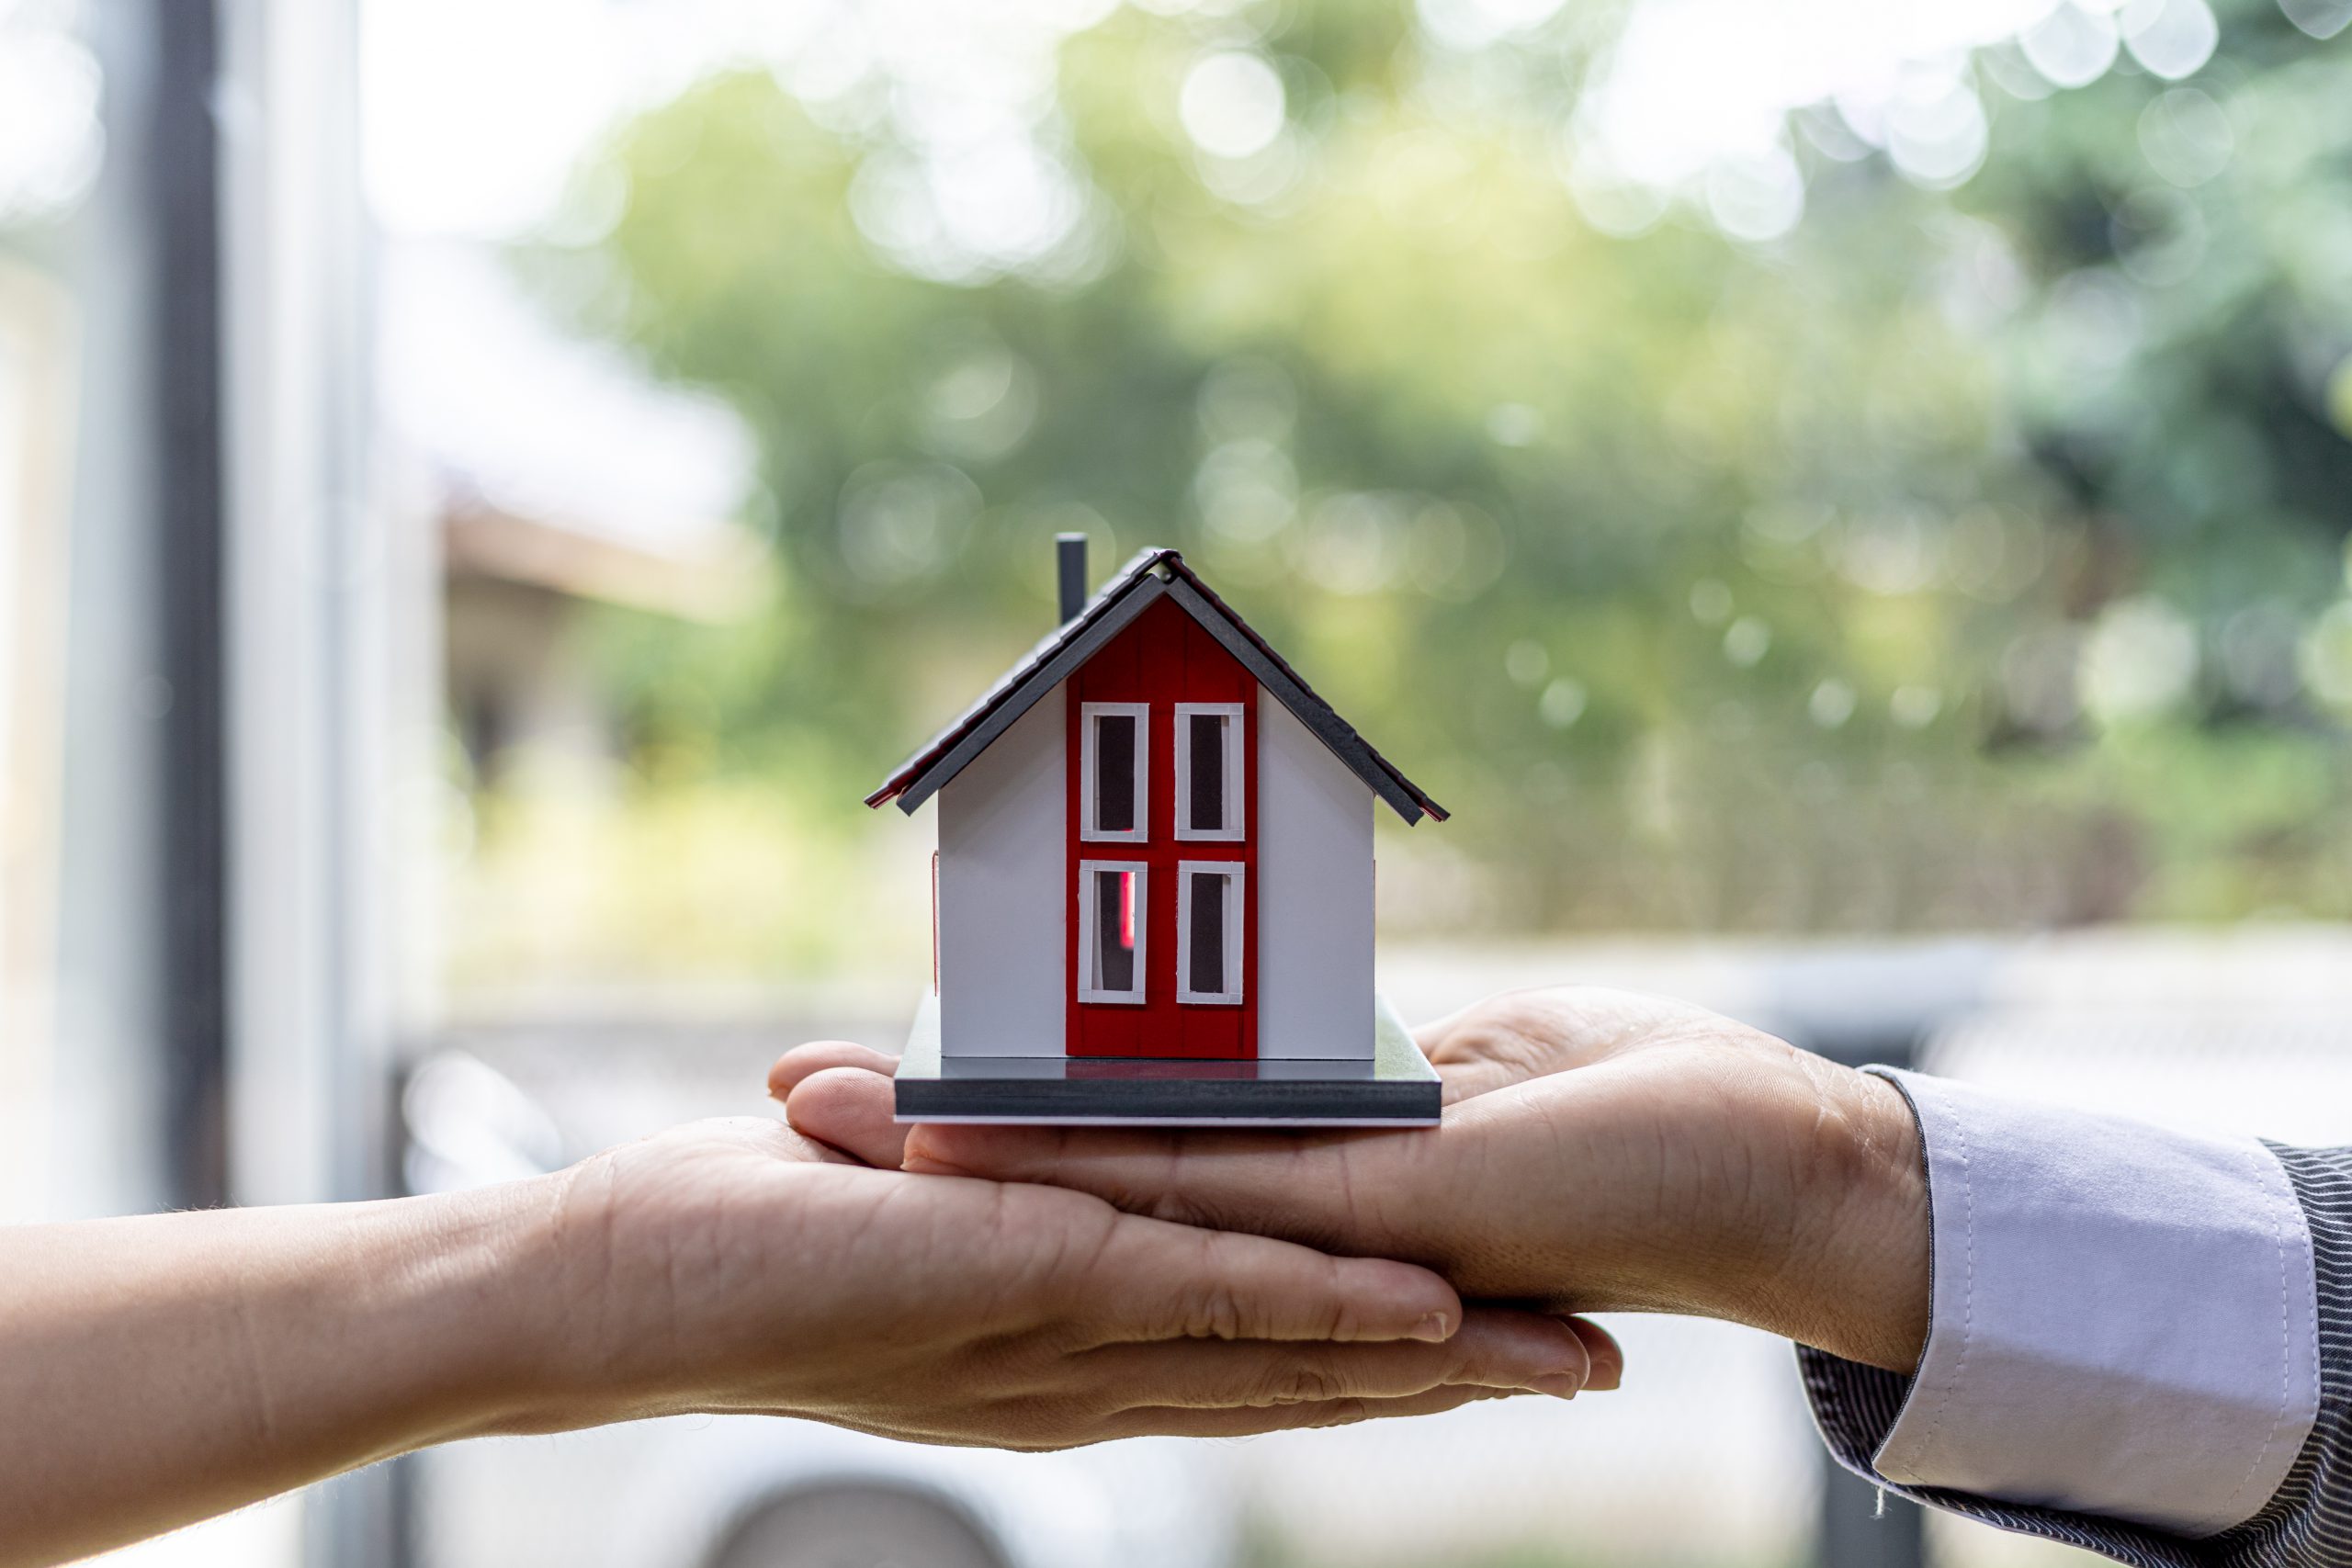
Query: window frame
x,y
1236,915
1088,712
1237,816
1087,871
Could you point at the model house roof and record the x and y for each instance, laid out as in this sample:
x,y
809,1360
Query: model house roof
x,y
1152,575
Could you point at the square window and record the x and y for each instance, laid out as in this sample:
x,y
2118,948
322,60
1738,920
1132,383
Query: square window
x,y
1209,933
1111,928
1114,742
1209,793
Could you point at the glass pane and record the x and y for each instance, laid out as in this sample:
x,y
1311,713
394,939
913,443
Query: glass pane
x,y
1207,971
1114,931
1206,785
1114,772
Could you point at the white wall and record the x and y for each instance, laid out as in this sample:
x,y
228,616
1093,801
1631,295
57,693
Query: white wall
x,y
1001,898
1313,832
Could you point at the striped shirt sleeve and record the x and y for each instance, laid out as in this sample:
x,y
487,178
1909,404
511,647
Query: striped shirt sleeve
x,y
2306,1519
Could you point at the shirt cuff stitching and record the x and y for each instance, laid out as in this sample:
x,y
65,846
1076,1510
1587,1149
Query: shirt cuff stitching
x,y
2230,1512
1921,1459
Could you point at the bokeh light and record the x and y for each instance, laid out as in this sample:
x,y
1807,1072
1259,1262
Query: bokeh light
x,y
1232,104
51,141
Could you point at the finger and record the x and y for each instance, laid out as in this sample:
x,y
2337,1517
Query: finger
x,y
1150,1279
850,1109
1494,1348
804,1062
1465,1068
1608,1358
1473,1075
1342,1191
1518,1035
1248,1421
1431,1036
1504,1040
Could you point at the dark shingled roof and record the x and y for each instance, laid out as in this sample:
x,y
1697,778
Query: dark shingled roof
x,y
1153,574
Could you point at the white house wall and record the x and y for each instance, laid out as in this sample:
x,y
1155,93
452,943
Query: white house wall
x,y
1315,938
1002,894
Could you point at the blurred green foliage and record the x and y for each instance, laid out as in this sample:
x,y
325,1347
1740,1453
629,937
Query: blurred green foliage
x,y
1959,558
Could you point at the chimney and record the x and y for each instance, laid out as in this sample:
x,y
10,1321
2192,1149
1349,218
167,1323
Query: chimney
x,y
1069,555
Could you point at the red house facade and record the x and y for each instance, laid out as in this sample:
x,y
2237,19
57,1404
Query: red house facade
x,y
1162,767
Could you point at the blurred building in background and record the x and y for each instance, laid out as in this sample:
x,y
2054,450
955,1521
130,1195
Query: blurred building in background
x,y
561,477
485,490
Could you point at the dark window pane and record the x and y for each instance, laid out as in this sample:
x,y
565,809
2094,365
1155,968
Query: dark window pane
x,y
1114,931
1207,974
1114,772
1207,783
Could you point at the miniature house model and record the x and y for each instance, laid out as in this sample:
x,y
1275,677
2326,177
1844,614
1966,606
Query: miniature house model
x,y
1153,894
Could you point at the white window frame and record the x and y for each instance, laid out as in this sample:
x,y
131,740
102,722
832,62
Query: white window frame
x,y
1087,714
1236,907
1236,821
1086,870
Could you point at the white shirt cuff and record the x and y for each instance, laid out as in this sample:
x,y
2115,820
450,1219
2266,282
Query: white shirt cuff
x,y
2125,1317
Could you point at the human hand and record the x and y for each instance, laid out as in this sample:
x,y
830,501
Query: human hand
x,y
1600,1151
736,1266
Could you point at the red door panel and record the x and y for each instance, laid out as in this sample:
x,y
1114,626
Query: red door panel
x,y
1163,658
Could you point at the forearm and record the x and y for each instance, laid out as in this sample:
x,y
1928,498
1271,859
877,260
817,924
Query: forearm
x,y
159,1370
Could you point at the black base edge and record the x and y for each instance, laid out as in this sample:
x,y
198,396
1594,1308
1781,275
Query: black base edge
x,y
1208,1102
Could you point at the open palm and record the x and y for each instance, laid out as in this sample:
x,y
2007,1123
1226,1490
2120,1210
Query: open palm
x,y
737,1266
1600,1150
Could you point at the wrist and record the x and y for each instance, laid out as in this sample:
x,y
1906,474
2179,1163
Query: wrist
x,y
1866,1293
592,1305
476,1283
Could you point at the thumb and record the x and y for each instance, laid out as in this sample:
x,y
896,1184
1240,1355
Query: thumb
x,y
806,1061
850,1109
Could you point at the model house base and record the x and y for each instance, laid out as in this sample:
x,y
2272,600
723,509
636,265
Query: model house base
x,y
1393,1087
